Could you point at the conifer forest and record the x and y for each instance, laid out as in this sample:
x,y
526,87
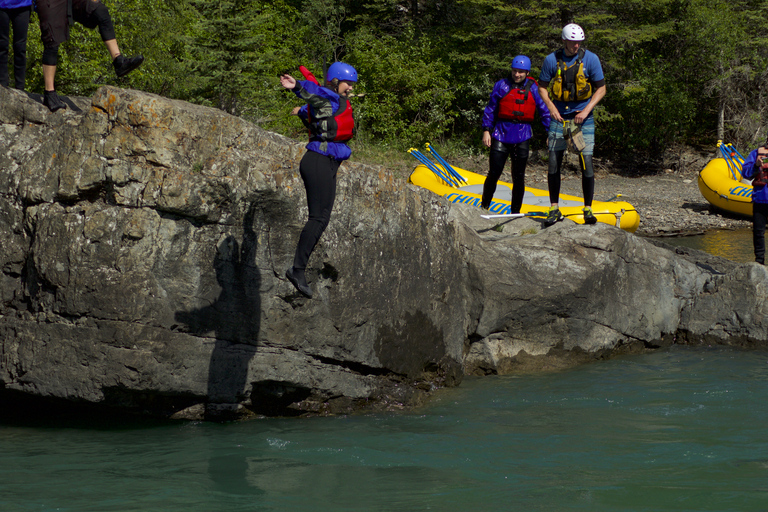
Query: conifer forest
x,y
677,71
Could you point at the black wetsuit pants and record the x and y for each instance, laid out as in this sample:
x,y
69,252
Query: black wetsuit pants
x,y
759,217
587,176
496,162
319,175
18,19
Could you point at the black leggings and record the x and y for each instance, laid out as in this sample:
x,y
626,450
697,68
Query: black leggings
x,y
17,18
587,176
92,14
496,162
319,175
759,216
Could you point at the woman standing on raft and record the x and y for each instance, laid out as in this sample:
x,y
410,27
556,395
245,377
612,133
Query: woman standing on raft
x,y
507,129
329,117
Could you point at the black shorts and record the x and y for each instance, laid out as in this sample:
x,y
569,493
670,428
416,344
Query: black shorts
x,y
54,26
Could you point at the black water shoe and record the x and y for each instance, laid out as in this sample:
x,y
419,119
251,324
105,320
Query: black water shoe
x,y
553,216
299,280
52,101
124,65
589,217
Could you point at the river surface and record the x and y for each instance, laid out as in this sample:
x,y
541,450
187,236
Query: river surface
x,y
735,245
684,429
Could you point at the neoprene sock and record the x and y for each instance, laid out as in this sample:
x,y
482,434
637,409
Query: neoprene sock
x,y
52,101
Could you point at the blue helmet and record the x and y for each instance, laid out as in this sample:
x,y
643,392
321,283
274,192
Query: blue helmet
x,y
341,71
521,62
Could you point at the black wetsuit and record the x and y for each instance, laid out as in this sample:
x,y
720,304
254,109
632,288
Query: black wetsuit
x,y
497,160
319,175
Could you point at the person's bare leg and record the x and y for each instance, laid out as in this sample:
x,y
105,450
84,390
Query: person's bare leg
x,y
112,47
50,98
49,75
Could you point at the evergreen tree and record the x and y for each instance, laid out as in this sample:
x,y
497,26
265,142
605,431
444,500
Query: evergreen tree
x,y
322,22
222,50
142,27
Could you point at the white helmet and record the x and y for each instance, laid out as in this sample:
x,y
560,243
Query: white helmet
x,y
573,32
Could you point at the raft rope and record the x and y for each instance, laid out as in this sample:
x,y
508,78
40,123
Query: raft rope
x,y
617,214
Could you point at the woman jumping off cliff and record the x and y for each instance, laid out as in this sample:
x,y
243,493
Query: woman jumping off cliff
x,y
329,117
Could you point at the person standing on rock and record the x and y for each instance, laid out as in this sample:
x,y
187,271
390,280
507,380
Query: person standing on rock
x,y
14,13
328,114
755,168
507,129
55,17
577,86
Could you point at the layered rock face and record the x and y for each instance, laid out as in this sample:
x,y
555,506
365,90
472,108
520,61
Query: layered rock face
x,y
575,293
144,246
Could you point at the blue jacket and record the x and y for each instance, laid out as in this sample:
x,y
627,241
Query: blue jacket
x,y
12,4
759,193
321,102
506,131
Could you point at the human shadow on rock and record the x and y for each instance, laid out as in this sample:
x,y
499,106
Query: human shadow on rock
x,y
233,319
71,105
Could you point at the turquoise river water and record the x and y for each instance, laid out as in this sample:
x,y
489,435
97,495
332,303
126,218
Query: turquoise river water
x,y
683,429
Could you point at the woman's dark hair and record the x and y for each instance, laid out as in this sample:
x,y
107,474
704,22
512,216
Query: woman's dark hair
x,y
333,85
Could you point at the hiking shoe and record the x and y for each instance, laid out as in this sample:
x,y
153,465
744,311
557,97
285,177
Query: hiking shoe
x,y
52,101
589,217
553,216
124,65
299,280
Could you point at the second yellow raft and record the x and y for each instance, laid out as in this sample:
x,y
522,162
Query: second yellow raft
x,y
722,185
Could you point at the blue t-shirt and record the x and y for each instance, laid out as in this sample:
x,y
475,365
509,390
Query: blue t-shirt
x,y
593,71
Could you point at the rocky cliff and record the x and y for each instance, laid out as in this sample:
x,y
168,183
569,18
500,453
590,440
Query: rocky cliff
x,y
144,245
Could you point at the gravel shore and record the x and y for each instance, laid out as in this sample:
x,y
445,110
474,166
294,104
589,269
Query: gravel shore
x,y
669,202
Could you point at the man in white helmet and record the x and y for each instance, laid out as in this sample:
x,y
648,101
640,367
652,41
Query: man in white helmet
x,y
571,84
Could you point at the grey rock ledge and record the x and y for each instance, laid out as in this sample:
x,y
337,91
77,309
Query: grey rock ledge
x,y
145,242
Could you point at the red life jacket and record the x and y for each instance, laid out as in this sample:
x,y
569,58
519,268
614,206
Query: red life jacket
x,y
338,128
518,105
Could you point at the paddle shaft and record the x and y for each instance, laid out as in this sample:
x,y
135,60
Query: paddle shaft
x,y
514,215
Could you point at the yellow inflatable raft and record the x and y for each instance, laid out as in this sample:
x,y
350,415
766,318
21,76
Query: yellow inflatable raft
x,y
721,183
470,190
